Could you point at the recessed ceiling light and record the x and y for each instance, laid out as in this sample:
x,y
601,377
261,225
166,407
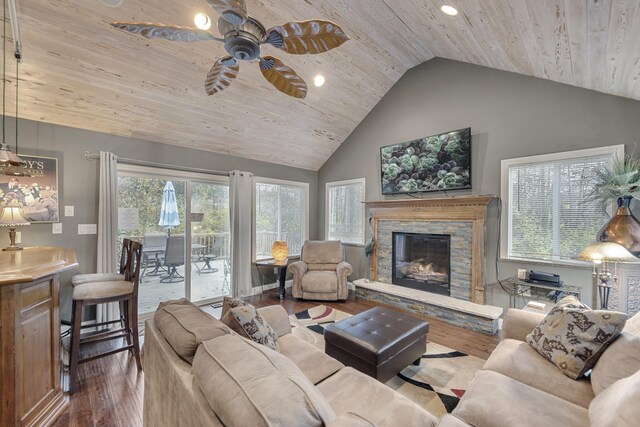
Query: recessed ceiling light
x,y
318,80
449,10
111,3
202,21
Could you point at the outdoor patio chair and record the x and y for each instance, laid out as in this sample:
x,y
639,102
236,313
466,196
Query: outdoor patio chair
x,y
153,254
214,254
173,258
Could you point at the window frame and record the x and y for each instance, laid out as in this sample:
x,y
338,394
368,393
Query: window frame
x,y
274,181
327,206
616,151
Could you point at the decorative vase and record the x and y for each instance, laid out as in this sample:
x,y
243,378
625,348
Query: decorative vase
x,y
623,228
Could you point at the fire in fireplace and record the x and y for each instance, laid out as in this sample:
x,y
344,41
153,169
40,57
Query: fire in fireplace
x,y
422,261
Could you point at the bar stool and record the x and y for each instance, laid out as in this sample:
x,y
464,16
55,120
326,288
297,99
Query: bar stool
x,y
80,279
125,292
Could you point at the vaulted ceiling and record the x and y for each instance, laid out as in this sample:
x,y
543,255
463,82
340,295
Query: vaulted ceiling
x,y
80,72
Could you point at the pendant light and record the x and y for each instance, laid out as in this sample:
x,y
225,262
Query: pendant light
x,y
14,165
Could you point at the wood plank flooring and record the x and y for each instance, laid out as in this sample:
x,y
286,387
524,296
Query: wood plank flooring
x,y
110,389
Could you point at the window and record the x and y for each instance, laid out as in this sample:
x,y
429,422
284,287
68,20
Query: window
x,y
281,214
546,212
344,211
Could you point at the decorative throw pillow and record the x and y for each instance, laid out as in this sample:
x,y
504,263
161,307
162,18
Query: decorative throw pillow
x,y
228,303
246,321
572,336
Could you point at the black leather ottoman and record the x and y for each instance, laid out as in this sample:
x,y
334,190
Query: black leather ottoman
x,y
379,342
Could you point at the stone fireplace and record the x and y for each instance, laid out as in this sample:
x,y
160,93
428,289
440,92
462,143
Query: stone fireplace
x,y
429,258
463,219
421,261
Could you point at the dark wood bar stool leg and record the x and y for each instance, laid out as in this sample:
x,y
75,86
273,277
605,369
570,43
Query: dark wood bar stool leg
x,y
76,326
133,332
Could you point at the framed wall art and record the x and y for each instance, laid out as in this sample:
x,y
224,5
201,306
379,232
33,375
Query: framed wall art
x,y
38,194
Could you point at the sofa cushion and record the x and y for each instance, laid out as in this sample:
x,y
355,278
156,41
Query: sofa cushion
x,y
617,406
320,281
314,363
247,384
495,400
517,360
322,252
246,321
621,359
350,391
185,326
572,336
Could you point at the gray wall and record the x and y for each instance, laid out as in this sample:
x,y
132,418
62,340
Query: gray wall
x,y
510,115
78,181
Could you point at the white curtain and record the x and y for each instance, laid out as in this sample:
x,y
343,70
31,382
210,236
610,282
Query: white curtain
x,y
107,228
241,186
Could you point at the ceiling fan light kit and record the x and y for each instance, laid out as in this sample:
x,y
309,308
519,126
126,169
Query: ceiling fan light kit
x,y
243,37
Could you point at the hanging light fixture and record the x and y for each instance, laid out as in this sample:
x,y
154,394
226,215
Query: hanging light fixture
x,y
13,165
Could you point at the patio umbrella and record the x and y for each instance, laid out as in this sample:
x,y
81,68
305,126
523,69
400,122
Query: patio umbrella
x,y
169,211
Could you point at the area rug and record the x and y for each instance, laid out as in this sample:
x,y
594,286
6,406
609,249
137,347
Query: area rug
x,y
436,385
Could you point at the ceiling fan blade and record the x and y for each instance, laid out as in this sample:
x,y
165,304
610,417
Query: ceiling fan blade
x,y
221,74
283,77
314,36
233,11
170,32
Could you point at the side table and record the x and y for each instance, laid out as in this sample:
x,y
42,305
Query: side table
x,y
282,273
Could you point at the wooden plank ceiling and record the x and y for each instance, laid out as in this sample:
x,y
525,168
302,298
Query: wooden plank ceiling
x,y
80,72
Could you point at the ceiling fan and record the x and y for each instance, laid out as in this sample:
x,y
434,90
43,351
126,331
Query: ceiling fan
x,y
243,37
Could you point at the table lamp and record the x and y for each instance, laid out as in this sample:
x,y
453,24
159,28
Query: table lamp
x,y
602,254
12,217
279,251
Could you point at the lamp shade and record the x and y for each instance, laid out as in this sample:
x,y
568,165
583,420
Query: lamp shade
x,y
279,251
12,216
606,251
7,157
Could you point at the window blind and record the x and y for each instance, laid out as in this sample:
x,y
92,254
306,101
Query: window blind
x,y
549,215
280,215
345,212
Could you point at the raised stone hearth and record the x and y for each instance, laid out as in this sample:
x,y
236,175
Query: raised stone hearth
x,y
461,218
477,317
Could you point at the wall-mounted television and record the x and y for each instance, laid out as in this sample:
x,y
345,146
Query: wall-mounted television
x,y
433,163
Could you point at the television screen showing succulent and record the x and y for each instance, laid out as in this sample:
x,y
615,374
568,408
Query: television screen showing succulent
x,y
434,163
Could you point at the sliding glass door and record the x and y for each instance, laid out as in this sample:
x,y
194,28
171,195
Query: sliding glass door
x,y
183,221
210,244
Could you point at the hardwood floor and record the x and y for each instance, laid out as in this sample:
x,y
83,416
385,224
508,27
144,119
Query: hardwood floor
x,y
110,389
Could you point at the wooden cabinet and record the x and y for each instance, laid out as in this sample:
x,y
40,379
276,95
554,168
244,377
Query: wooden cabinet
x,y
30,335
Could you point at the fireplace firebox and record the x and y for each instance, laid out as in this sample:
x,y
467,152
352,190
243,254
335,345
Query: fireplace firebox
x,y
422,261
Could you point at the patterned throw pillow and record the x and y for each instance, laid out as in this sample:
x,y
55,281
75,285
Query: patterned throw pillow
x,y
228,303
246,321
572,336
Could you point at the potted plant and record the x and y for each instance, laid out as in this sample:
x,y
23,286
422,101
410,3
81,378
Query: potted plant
x,y
620,181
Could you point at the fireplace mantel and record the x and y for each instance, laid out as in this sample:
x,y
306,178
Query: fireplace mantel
x,y
471,209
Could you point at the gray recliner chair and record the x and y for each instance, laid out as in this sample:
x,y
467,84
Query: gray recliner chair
x,y
321,273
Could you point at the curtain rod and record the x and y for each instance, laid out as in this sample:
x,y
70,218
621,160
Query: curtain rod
x,y
94,156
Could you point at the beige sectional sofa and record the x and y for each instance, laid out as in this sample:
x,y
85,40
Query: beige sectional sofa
x,y
518,387
200,373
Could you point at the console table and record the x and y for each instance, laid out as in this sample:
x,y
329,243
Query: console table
x,y
518,287
30,335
